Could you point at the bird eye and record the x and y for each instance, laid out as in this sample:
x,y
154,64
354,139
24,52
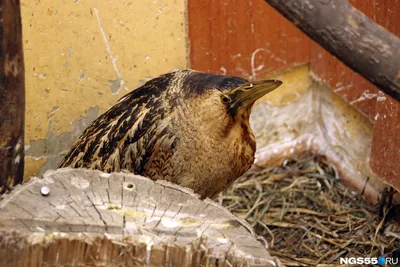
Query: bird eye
x,y
225,99
249,87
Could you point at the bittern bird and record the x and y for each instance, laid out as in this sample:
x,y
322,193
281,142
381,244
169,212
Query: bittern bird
x,y
187,127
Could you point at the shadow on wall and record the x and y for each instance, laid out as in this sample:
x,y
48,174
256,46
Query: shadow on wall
x,y
47,153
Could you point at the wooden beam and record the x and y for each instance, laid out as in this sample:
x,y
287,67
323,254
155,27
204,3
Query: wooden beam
x,y
356,40
12,96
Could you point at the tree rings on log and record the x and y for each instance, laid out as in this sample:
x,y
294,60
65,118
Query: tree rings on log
x,y
78,217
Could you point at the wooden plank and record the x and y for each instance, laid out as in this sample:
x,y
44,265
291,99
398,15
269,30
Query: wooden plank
x,y
243,38
147,224
385,154
346,83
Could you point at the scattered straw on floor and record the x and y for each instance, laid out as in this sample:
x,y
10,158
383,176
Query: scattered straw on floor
x,y
308,217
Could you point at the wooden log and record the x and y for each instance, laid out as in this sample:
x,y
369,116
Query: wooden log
x,y
12,96
91,218
356,40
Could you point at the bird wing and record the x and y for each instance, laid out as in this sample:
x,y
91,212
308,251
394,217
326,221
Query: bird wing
x,y
131,135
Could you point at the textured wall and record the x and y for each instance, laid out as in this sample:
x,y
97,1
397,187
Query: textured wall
x,y
303,115
81,56
251,39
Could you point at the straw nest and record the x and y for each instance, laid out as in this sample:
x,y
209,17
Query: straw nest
x,y
308,217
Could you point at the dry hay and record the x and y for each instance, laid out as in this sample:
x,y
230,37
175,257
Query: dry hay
x,y
308,217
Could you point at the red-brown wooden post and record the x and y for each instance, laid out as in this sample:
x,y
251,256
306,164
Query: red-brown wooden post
x,y
12,95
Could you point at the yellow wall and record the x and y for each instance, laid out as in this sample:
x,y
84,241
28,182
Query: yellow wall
x,y
82,55
296,82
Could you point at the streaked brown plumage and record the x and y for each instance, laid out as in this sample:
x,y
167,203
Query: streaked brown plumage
x,y
187,127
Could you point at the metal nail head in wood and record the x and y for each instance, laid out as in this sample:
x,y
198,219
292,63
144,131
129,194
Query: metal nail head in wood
x,y
45,191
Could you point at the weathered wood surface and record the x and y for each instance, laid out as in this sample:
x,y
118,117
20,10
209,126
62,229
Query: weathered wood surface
x,y
93,218
12,96
360,43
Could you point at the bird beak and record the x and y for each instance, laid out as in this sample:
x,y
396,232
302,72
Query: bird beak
x,y
248,93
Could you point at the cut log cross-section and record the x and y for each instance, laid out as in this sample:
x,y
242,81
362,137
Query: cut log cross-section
x,y
77,217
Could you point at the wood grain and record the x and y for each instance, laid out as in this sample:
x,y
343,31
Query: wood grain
x,y
243,38
96,219
351,36
12,96
385,154
351,86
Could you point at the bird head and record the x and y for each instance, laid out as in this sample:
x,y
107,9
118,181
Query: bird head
x,y
222,102
239,100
